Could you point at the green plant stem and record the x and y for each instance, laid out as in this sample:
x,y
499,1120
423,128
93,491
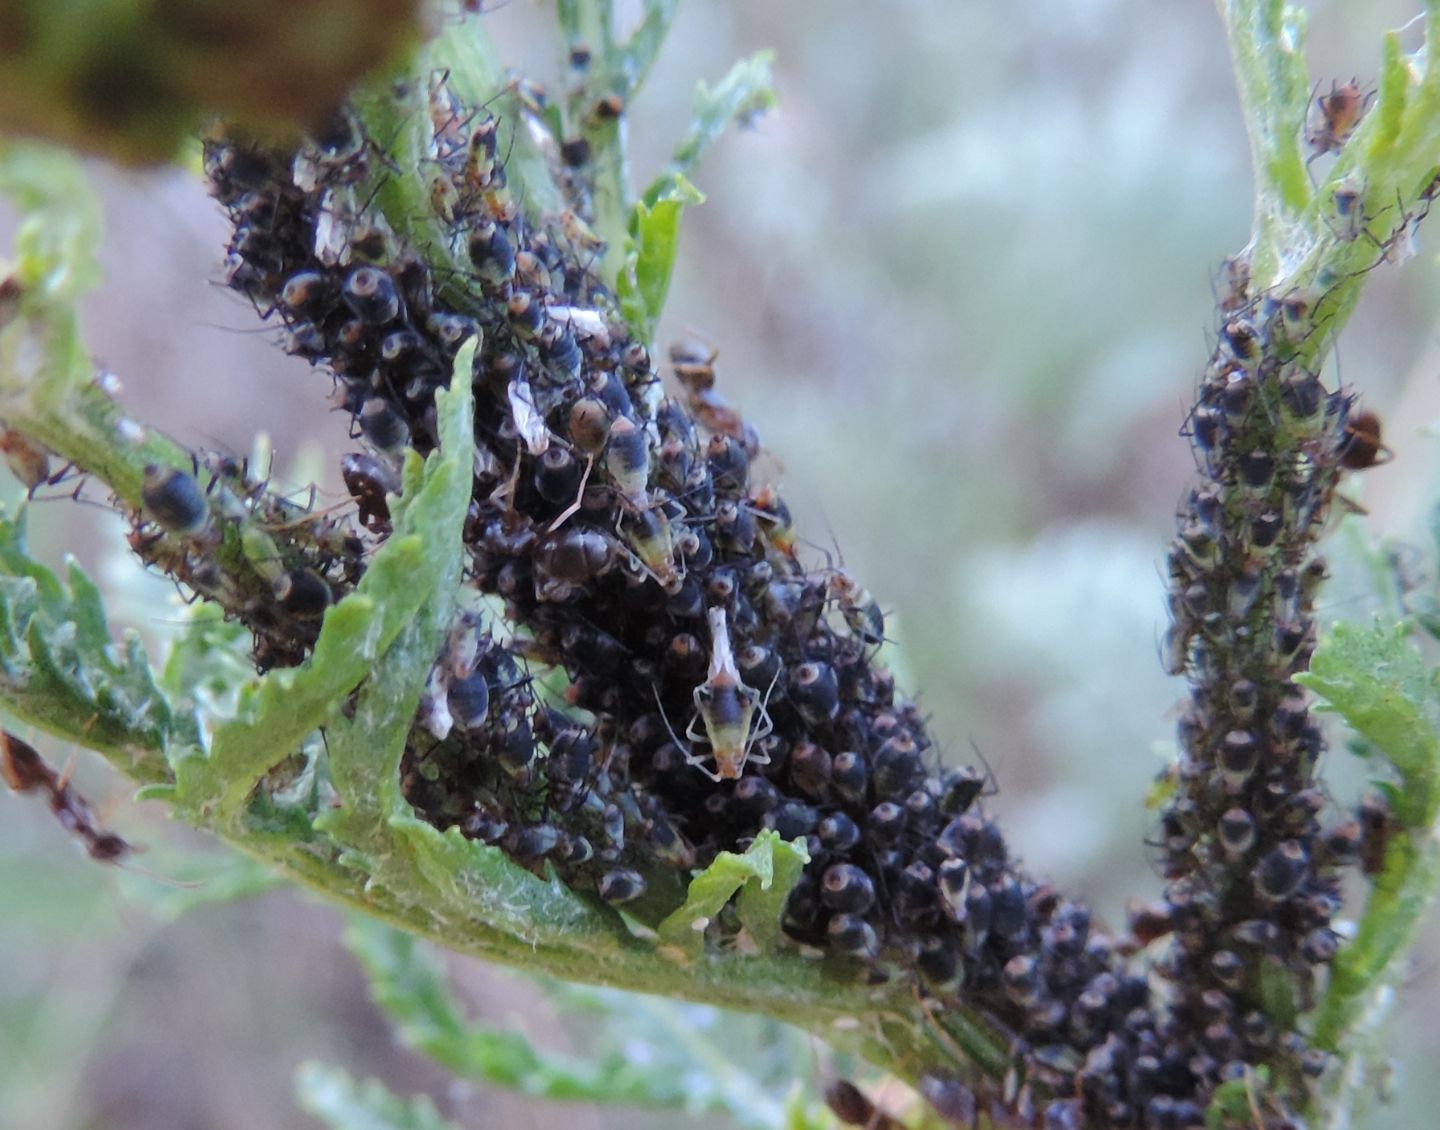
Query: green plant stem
x,y
617,71
1301,244
1264,38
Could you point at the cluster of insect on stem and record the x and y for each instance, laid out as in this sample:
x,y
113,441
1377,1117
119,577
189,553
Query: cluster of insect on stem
x,y
638,552
646,566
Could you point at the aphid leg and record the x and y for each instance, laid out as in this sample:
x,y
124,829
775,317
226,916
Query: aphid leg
x,y
579,498
696,720
764,727
691,758
505,492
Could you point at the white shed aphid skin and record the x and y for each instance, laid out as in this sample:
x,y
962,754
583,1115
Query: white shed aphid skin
x,y
725,712
528,420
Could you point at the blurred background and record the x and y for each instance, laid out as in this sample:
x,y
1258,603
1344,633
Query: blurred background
x,y
961,281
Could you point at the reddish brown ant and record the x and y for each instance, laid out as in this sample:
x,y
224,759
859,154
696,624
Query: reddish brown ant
x,y
25,771
693,364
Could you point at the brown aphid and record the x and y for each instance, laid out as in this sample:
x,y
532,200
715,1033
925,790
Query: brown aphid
x,y
1377,826
693,364
609,108
28,461
369,480
1340,112
25,771
1362,446
1232,283
589,425
10,294
1150,921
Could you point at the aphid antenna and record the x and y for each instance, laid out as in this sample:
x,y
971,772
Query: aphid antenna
x,y
704,339
153,876
240,331
232,295
310,515
62,779
505,492
992,785
682,495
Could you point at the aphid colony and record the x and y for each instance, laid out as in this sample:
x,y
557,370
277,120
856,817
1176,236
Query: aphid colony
x,y
716,685
1253,878
283,564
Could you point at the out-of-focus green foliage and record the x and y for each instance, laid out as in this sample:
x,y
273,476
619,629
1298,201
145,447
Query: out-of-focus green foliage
x,y
442,860
739,98
650,246
330,1094
133,81
1377,680
60,671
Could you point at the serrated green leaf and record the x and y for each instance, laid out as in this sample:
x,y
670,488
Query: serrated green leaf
x,y
762,904
200,880
637,55
409,983
1378,681
651,1052
654,236
60,671
365,750
653,227
477,884
421,556
209,665
337,1099
59,236
496,891
764,877
1395,78
745,93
